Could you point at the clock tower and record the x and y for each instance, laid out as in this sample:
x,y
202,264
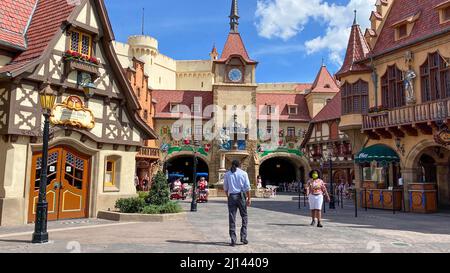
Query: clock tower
x,y
234,91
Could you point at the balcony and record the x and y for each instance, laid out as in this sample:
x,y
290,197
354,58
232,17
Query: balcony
x,y
146,152
407,119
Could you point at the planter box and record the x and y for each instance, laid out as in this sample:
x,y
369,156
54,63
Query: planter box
x,y
135,217
74,65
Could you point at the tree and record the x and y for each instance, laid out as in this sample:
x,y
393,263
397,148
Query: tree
x,y
159,192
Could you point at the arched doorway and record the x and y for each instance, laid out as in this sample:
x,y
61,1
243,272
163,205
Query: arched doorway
x,y
278,170
183,167
427,170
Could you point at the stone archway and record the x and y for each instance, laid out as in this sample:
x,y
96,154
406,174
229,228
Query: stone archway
x,y
299,165
182,163
416,170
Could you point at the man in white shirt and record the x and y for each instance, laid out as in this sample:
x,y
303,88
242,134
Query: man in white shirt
x,y
237,188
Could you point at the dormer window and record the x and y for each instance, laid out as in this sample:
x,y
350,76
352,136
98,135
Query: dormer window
x,y
174,108
81,42
446,14
270,109
402,31
293,110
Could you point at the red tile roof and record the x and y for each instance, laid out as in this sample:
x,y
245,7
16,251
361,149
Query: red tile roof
x,y
14,18
303,86
427,24
234,46
165,97
324,82
331,111
46,21
357,49
283,101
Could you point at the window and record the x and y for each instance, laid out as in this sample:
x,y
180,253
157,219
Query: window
x,y
174,107
402,31
110,173
270,109
355,97
291,132
446,13
81,43
435,78
392,88
292,110
269,130
145,114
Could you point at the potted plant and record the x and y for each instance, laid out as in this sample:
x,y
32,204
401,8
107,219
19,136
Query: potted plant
x,y
77,61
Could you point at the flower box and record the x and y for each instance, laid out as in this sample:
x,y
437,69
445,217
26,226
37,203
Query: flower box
x,y
72,65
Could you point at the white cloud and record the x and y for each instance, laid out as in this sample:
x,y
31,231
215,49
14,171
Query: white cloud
x,y
287,18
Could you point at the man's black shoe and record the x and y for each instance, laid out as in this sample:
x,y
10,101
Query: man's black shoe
x,y
233,244
245,242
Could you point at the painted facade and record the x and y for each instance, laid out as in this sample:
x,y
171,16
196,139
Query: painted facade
x,y
396,89
227,80
88,167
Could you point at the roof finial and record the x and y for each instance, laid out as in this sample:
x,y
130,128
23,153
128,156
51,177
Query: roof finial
x,y
355,21
234,17
323,62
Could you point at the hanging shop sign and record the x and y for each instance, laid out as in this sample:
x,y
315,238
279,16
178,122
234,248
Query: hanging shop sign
x,y
72,112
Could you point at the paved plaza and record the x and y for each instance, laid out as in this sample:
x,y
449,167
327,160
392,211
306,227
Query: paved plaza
x,y
276,225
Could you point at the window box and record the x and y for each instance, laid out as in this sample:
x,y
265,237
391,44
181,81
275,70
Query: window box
x,y
77,64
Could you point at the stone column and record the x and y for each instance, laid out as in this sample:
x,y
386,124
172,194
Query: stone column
x,y
409,176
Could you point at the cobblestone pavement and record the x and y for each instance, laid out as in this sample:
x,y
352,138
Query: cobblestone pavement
x,y
276,225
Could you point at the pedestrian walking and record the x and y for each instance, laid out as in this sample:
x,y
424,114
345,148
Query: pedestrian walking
x,y
237,188
316,190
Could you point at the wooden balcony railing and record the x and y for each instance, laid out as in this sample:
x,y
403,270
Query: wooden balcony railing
x,y
420,113
148,152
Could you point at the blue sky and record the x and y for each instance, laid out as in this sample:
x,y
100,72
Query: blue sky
x,y
289,38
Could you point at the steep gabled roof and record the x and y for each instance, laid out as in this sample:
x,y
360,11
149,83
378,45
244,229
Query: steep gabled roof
x,y
357,49
14,18
428,23
165,97
234,46
324,82
46,21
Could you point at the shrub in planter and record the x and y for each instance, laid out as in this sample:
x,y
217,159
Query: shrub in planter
x,y
143,195
159,193
152,209
130,205
171,207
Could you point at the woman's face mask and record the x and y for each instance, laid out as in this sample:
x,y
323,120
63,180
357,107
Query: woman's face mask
x,y
315,176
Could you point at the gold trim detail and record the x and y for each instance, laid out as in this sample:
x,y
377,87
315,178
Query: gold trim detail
x,y
72,112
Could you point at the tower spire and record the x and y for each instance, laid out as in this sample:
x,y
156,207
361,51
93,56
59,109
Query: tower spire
x,y
234,17
355,21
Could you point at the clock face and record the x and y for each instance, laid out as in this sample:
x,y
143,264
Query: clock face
x,y
235,75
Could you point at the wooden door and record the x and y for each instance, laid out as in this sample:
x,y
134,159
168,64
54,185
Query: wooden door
x,y
67,184
73,196
53,176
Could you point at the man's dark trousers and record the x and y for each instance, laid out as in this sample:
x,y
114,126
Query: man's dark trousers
x,y
235,202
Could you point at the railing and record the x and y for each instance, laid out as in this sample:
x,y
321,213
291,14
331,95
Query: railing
x,y
425,112
148,152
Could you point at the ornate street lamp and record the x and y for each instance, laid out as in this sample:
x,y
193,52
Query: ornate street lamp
x,y
40,235
194,188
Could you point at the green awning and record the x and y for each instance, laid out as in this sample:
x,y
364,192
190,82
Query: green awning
x,y
379,153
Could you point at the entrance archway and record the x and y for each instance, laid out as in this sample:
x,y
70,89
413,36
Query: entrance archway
x,y
277,170
184,167
427,169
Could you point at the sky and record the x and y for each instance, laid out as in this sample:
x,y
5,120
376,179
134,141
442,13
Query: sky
x,y
289,38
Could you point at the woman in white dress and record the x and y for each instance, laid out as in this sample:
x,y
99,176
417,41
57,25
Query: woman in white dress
x,y
316,190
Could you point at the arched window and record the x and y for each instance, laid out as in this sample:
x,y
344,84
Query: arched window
x,y
392,88
435,78
355,97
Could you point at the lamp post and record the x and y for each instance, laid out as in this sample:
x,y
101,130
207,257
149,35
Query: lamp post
x,y
330,159
194,188
40,235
